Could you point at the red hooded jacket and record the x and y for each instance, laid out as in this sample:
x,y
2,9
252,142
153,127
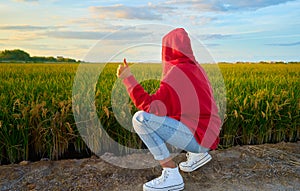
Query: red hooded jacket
x,y
185,93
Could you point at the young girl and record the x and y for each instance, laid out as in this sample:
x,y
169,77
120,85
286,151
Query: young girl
x,y
182,112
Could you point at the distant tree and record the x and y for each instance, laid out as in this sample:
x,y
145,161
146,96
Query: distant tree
x,y
22,56
14,55
51,59
37,59
264,62
62,59
293,63
279,62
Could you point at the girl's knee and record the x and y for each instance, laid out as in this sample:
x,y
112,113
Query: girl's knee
x,y
138,117
138,120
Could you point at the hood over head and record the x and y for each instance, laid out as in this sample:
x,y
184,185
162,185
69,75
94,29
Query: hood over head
x,y
176,49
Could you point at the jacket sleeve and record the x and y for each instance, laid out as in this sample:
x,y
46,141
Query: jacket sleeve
x,y
155,103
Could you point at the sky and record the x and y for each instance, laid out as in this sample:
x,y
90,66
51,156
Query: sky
x,y
100,31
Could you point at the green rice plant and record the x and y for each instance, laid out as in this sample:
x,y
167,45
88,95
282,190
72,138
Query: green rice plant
x,y
262,103
37,113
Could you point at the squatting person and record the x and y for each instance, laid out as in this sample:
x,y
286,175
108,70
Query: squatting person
x,y
182,112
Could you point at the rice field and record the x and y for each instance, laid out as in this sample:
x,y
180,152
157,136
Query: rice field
x,y
37,117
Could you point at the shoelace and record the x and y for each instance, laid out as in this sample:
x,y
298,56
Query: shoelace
x,y
162,178
188,156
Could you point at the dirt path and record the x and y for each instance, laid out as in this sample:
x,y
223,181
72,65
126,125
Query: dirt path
x,y
262,167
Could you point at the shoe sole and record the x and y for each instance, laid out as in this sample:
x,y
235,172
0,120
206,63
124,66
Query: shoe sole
x,y
170,188
196,165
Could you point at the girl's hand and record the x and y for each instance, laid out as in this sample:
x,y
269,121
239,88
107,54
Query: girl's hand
x,y
123,71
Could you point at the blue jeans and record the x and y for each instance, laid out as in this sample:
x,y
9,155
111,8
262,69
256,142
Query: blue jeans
x,y
156,131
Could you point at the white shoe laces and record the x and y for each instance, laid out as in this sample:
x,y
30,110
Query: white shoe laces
x,y
190,159
188,156
162,178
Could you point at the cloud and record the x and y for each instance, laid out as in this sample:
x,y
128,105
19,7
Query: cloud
x,y
93,35
150,12
255,4
28,27
18,36
212,45
25,36
203,5
284,44
75,35
26,0
213,36
200,20
226,5
3,41
94,23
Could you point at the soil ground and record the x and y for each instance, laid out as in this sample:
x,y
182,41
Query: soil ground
x,y
257,167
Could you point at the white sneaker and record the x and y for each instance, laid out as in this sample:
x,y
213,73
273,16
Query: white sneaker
x,y
194,161
170,179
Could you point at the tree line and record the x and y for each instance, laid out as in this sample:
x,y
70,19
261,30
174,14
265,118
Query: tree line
x,y
22,56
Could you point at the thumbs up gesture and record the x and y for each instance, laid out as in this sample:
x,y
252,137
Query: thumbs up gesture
x,y
123,71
